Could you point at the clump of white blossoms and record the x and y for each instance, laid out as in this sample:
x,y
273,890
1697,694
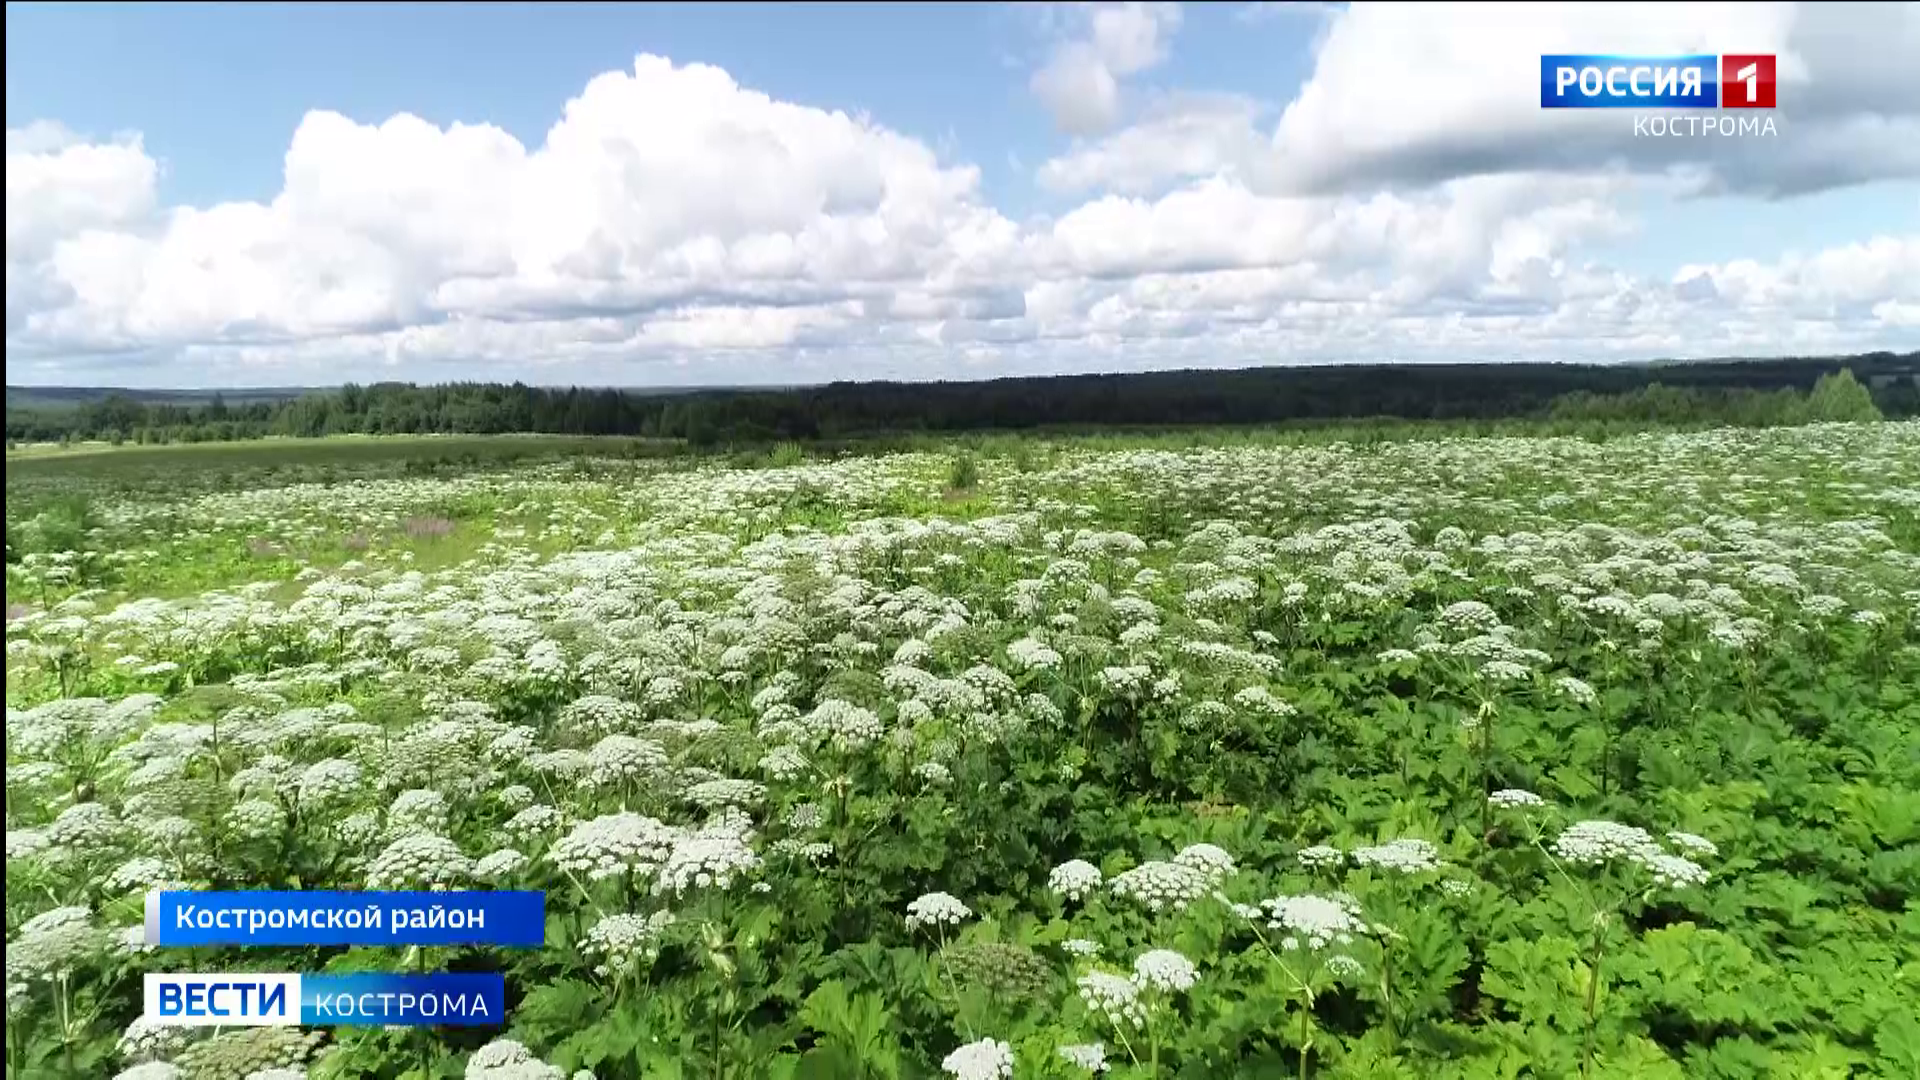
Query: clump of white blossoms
x,y
623,940
1164,970
1340,965
499,864
143,873
1321,857
708,859
1260,700
935,910
1405,856
811,850
1515,798
1505,671
84,827
620,759
615,844
145,1040
1313,921
1074,879
1080,947
420,810
1160,885
330,781
419,860
784,763
509,1059
1591,842
1675,871
1212,861
1028,654
805,817
1115,997
51,945
1698,845
986,1059
534,821
1089,1056
1576,689
356,830
724,792
842,724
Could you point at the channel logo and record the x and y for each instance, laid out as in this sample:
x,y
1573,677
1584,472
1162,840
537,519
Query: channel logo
x,y
1697,81
237,1000
246,999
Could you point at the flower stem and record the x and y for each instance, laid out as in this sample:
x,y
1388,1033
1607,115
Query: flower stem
x,y
1306,1037
1593,994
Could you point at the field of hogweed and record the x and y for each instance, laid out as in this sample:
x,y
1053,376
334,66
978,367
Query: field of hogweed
x,y
1515,757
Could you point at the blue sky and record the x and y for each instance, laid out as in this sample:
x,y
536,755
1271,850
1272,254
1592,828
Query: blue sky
x,y
217,89
1214,257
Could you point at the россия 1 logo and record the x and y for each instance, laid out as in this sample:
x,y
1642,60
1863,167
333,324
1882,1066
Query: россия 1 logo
x,y
1693,82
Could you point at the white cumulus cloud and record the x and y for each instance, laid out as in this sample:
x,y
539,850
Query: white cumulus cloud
x,y
1080,83
675,226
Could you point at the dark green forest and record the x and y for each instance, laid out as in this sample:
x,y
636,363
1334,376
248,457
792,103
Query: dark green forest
x,y
1739,392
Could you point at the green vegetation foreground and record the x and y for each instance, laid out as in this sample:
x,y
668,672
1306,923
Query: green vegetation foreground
x,y
1426,758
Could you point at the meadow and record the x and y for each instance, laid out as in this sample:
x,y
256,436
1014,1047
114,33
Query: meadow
x,y
1188,755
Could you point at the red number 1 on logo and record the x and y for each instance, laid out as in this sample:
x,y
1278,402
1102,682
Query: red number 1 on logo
x,y
1746,81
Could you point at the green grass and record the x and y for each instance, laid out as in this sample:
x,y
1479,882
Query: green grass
x,y
99,459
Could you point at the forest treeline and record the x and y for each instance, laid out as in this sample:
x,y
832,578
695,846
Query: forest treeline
x,y
1747,393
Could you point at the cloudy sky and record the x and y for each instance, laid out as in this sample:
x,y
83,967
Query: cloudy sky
x,y
266,195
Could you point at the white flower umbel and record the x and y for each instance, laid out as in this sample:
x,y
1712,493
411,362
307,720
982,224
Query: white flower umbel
x,y
51,945
1080,947
706,860
1589,843
805,817
509,1059
620,759
1214,862
1675,871
499,864
1515,798
1314,922
615,844
1074,879
936,910
784,763
1158,885
1404,856
419,860
622,941
1342,966
842,724
1115,997
1688,842
724,792
328,782
1321,857
987,1059
145,1040
1164,970
1089,1056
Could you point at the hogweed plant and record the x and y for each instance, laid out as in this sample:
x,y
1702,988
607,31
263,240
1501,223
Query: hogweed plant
x,y
737,722
1616,870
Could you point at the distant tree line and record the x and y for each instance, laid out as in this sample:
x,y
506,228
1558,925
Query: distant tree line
x,y
1758,392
